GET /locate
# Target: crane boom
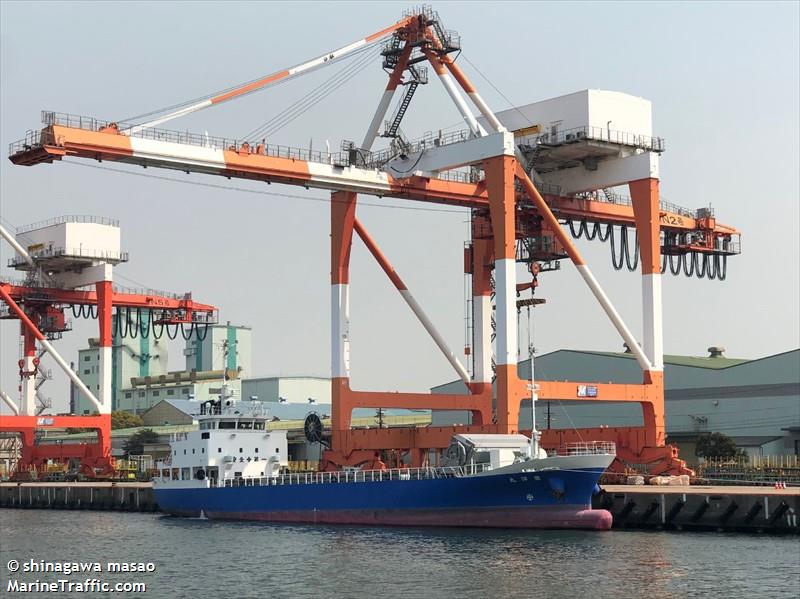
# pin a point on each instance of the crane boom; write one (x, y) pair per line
(83, 137)
(263, 82)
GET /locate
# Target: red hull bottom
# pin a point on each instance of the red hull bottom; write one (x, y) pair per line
(545, 517)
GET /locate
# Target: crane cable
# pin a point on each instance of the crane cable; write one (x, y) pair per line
(293, 196)
(300, 110)
(320, 92)
(132, 120)
(311, 97)
(692, 264)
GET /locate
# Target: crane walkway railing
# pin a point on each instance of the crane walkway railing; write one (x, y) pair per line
(372, 160)
(623, 200)
(69, 218)
(46, 286)
(39, 138)
(590, 133)
(67, 252)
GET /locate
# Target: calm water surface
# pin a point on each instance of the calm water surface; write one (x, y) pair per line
(200, 558)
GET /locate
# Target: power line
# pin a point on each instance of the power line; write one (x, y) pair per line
(485, 78)
(137, 283)
(259, 192)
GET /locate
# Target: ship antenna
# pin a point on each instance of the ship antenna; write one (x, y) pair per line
(224, 390)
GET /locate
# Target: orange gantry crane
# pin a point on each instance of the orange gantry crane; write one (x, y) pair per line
(486, 168)
(41, 308)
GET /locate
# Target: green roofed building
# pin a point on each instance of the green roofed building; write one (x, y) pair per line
(756, 402)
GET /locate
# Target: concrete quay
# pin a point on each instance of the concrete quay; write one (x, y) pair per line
(696, 507)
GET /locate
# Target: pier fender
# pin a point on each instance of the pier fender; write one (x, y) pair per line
(779, 512)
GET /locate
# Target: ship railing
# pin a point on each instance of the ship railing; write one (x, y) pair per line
(588, 448)
(357, 476)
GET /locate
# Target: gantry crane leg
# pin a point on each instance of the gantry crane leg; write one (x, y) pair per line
(480, 264)
(502, 207)
(645, 198)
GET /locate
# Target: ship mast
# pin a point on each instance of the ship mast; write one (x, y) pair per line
(224, 392)
(534, 395)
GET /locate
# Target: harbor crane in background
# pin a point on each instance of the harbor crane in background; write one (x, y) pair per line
(531, 187)
(68, 266)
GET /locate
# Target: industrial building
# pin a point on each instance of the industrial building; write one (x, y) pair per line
(131, 356)
(756, 402)
(145, 392)
(288, 389)
(221, 346)
(139, 365)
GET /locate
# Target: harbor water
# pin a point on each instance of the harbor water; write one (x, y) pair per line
(200, 558)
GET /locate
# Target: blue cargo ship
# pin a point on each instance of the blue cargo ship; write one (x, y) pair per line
(235, 468)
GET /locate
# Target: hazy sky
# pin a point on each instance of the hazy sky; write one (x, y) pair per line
(723, 79)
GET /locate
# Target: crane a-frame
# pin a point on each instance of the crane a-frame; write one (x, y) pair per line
(486, 168)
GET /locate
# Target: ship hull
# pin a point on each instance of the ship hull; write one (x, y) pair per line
(544, 499)
(564, 517)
